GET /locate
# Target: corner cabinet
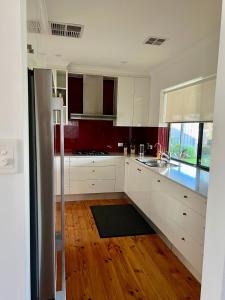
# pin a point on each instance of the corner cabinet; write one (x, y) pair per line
(60, 89)
(133, 98)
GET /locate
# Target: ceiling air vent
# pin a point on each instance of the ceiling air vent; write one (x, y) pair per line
(33, 26)
(155, 41)
(67, 30)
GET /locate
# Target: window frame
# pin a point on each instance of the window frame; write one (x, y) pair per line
(199, 146)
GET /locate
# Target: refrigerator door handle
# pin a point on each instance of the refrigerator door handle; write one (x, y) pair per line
(58, 106)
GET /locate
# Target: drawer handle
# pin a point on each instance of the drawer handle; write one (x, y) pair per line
(92, 184)
(139, 170)
(183, 239)
(185, 196)
(158, 180)
(93, 171)
(184, 214)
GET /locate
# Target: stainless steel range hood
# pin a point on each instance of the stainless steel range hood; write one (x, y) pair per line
(92, 100)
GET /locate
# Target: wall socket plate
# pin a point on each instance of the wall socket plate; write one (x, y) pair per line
(120, 144)
(8, 156)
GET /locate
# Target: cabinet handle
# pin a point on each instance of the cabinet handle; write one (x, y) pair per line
(184, 214)
(92, 184)
(93, 161)
(185, 196)
(158, 180)
(183, 239)
(93, 171)
(139, 170)
(127, 162)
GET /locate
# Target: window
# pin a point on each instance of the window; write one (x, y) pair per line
(191, 143)
(206, 144)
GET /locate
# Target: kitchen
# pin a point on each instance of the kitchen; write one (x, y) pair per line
(134, 127)
(108, 115)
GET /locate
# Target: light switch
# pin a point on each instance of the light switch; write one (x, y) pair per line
(8, 156)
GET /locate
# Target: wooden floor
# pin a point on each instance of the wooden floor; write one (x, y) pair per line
(123, 268)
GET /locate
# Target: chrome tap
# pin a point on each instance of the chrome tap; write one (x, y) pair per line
(164, 156)
(160, 150)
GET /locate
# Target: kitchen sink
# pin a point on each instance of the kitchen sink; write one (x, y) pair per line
(157, 163)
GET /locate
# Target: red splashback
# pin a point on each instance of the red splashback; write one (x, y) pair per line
(102, 135)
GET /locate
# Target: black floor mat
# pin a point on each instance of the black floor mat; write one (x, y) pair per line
(119, 220)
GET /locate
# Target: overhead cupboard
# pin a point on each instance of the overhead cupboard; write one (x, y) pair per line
(133, 98)
(191, 103)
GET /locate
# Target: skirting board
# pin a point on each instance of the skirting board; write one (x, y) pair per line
(168, 243)
(98, 196)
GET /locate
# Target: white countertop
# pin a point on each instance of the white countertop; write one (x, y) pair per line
(188, 176)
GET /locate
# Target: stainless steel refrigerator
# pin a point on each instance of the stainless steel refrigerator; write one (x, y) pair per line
(45, 243)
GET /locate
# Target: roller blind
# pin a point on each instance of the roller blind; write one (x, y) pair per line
(194, 103)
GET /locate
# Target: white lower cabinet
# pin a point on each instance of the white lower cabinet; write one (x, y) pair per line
(178, 212)
(85, 175)
(92, 186)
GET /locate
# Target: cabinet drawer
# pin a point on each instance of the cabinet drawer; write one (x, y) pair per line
(101, 186)
(184, 243)
(92, 186)
(86, 173)
(189, 198)
(189, 220)
(79, 187)
(95, 161)
(181, 240)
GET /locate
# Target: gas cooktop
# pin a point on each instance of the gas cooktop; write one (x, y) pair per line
(91, 153)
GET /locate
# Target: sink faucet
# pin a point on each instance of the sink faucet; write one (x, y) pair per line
(162, 155)
(165, 156)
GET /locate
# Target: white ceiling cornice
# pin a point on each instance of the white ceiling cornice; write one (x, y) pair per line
(105, 71)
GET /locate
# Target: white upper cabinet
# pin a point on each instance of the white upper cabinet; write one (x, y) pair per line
(141, 102)
(190, 104)
(133, 97)
(125, 101)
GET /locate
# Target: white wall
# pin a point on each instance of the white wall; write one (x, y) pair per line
(213, 283)
(14, 189)
(198, 61)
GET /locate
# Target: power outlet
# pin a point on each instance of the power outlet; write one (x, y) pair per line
(120, 145)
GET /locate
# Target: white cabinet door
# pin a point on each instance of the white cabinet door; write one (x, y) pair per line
(141, 102)
(125, 101)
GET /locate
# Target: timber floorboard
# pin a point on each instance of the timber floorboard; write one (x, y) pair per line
(124, 268)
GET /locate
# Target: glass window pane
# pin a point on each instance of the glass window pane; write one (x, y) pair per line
(206, 144)
(183, 144)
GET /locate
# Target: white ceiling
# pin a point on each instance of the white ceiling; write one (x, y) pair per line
(114, 30)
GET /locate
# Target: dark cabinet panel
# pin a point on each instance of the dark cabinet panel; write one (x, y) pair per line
(75, 95)
(108, 96)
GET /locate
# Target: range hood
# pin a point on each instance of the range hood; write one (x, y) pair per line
(92, 100)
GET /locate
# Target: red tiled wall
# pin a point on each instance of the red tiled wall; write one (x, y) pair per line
(102, 135)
